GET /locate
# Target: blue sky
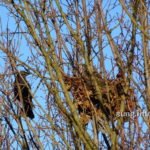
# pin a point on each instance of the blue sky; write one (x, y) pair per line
(23, 48)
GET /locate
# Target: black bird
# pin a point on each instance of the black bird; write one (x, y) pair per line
(22, 93)
(120, 80)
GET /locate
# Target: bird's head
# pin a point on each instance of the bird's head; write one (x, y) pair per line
(24, 73)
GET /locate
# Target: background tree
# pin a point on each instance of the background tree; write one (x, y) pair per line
(88, 62)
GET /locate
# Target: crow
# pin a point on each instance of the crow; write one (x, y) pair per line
(22, 93)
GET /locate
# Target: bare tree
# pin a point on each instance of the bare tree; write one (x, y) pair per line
(89, 74)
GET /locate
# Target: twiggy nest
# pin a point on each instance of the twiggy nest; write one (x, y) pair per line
(112, 91)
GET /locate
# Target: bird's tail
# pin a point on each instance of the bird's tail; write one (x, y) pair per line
(30, 113)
